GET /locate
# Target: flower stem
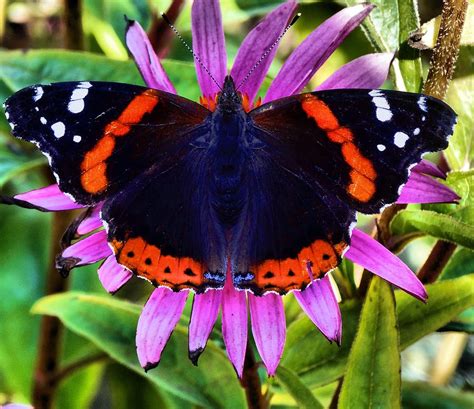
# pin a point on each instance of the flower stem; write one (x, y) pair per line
(51, 330)
(441, 71)
(251, 381)
(73, 23)
(446, 50)
(436, 261)
(81, 363)
(160, 34)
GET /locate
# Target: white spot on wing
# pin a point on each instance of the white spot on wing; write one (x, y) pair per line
(382, 112)
(375, 93)
(77, 138)
(43, 120)
(37, 109)
(7, 115)
(416, 131)
(79, 93)
(381, 147)
(76, 106)
(381, 102)
(38, 94)
(59, 129)
(422, 104)
(400, 139)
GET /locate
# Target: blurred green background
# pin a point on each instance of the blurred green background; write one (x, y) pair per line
(437, 369)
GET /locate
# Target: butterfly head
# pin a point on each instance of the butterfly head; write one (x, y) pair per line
(229, 100)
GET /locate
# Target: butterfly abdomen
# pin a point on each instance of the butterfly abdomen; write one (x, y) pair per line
(228, 154)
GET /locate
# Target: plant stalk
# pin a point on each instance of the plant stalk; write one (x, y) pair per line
(51, 330)
(251, 381)
(50, 336)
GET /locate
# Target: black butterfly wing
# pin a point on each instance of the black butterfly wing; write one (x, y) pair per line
(323, 156)
(135, 149)
(98, 136)
(361, 143)
(163, 228)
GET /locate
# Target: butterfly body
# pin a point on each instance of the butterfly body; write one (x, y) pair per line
(188, 194)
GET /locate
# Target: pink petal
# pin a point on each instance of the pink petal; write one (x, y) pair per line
(429, 168)
(305, 60)
(268, 328)
(49, 198)
(257, 42)
(234, 324)
(91, 222)
(209, 44)
(424, 189)
(371, 255)
(368, 71)
(156, 323)
(112, 275)
(147, 61)
(89, 250)
(320, 305)
(203, 317)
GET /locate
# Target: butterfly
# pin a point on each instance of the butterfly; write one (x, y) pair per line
(269, 195)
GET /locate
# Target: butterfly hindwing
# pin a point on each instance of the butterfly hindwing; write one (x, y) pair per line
(98, 136)
(162, 227)
(323, 156)
(293, 229)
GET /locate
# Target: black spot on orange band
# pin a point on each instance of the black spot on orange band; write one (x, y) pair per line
(282, 276)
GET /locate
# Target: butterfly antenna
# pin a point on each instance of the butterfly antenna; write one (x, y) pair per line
(266, 53)
(167, 20)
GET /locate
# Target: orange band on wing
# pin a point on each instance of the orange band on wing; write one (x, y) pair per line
(147, 261)
(362, 176)
(282, 276)
(94, 167)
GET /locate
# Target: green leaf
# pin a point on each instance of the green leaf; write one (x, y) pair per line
(104, 21)
(420, 395)
(21, 69)
(463, 184)
(446, 300)
(409, 58)
(255, 7)
(387, 28)
(297, 389)
(460, 264)
(323, 363)
(23, 260)
(441, 226)
(460, 152)
(464, 322)
(141, 392)
(111, 325)
(372, 377)
(13, 164)
(78, 390)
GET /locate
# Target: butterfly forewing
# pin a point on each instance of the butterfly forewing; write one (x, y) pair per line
(98, 136)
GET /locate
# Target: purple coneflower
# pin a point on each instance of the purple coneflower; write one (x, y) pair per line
(164, 307)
